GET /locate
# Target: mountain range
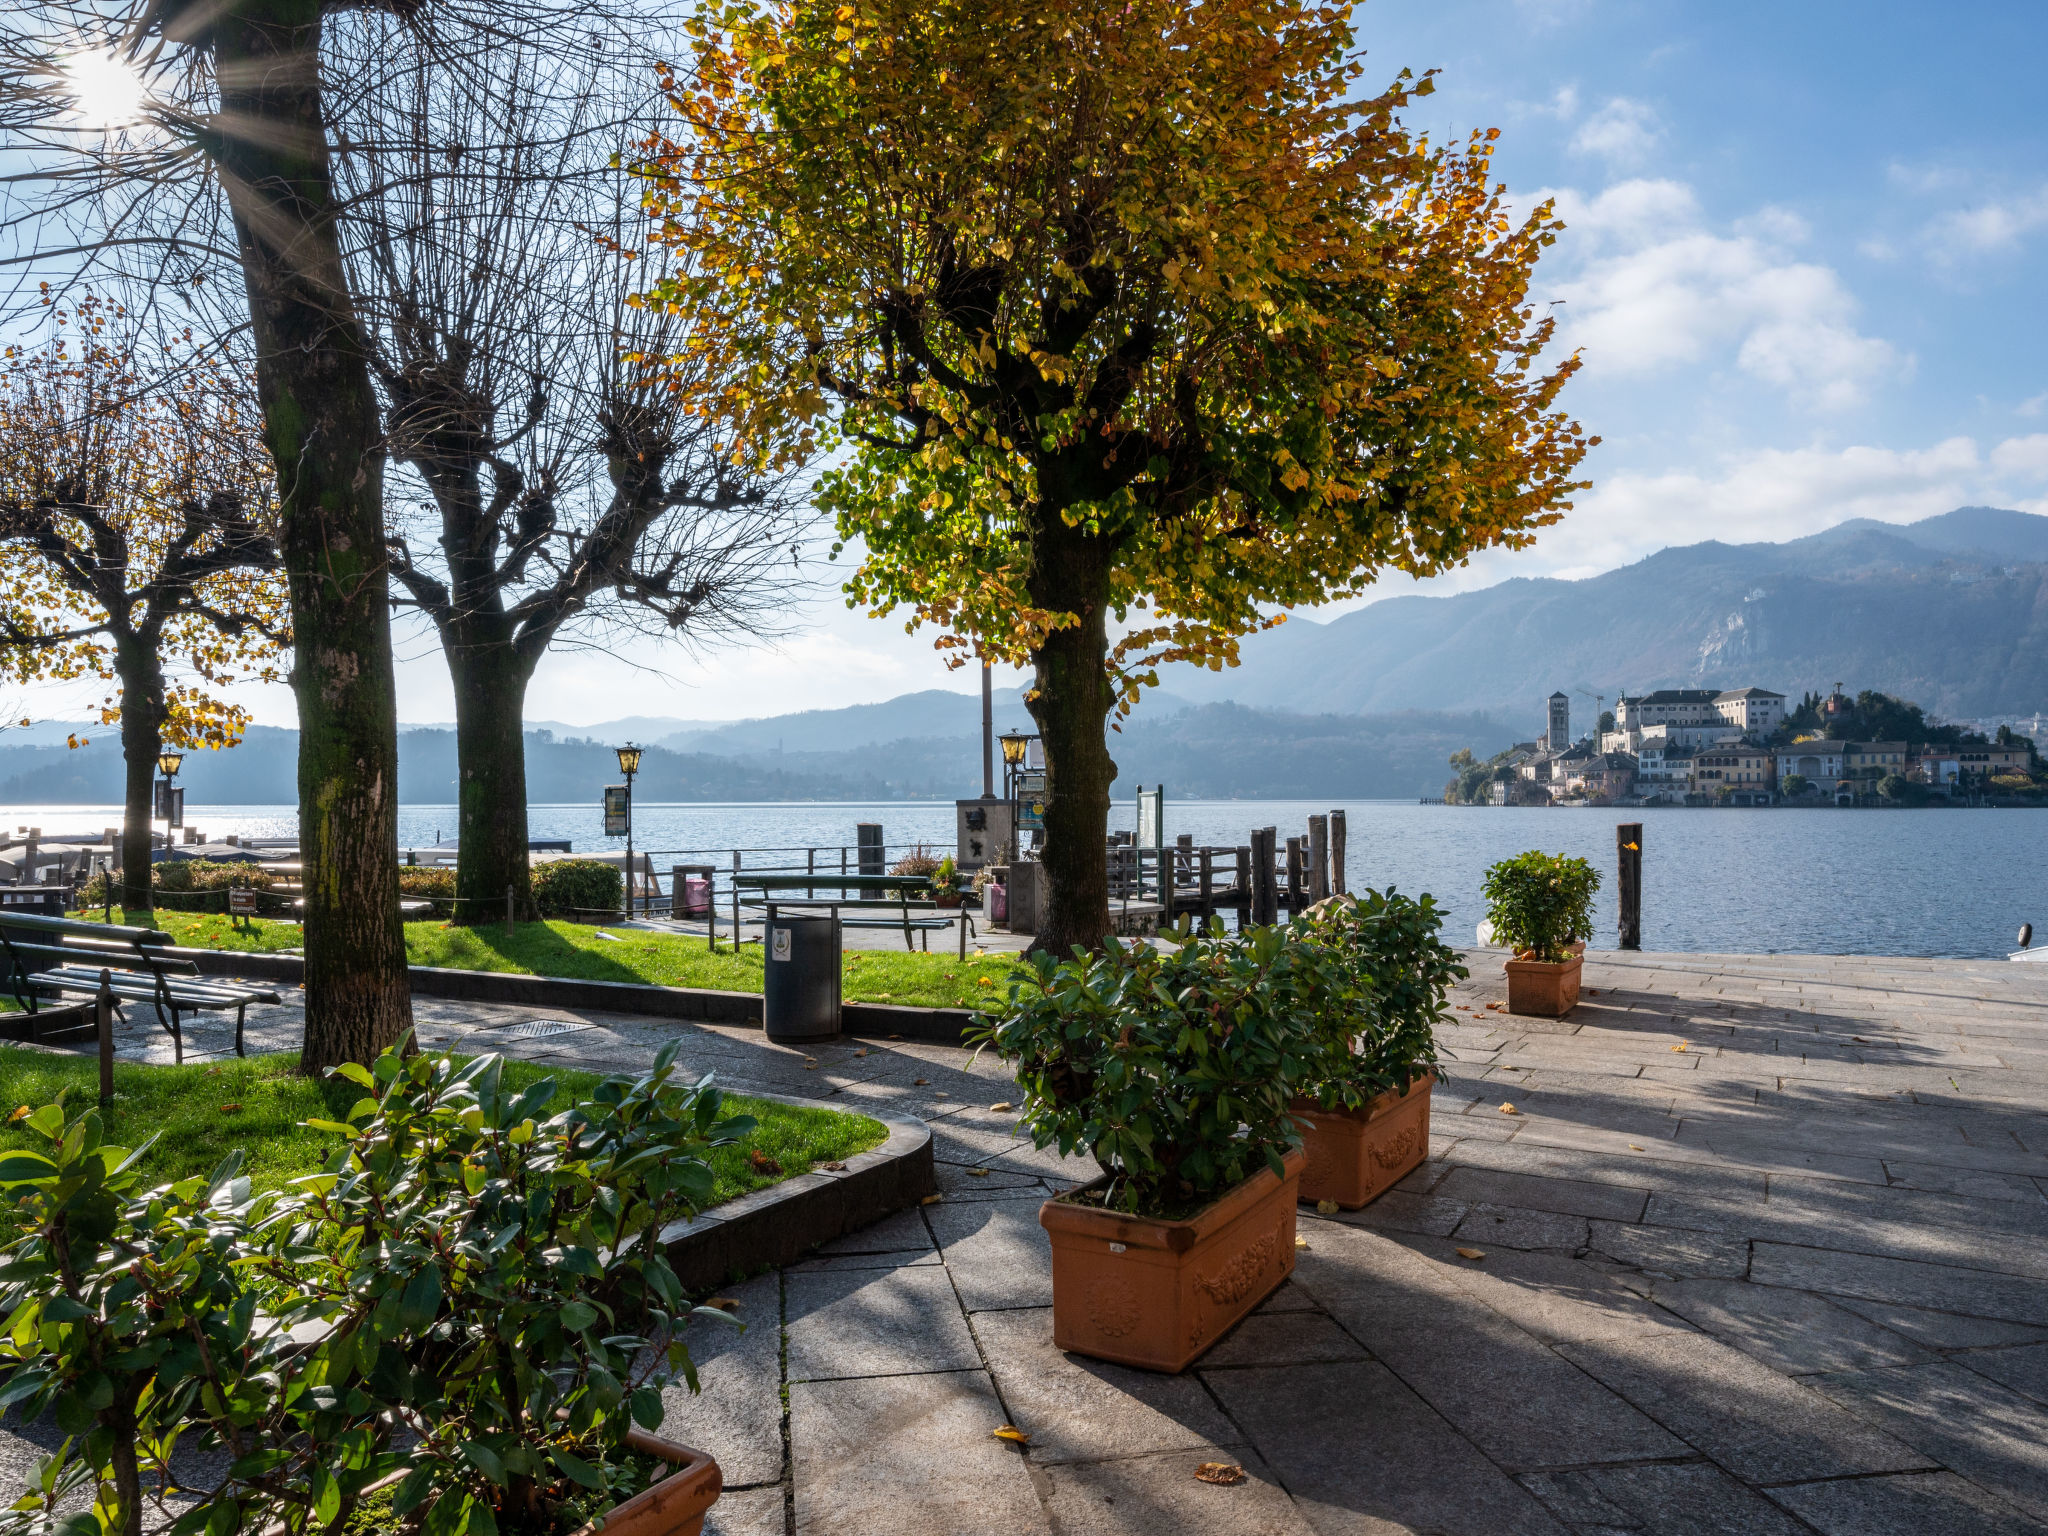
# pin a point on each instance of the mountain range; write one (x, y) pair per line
(1950, 612)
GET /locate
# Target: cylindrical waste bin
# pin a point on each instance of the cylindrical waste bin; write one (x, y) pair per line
(800, 998)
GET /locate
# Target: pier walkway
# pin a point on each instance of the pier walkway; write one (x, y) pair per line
(1761, 1248)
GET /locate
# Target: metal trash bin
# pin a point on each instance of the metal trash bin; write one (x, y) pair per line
(801, 994)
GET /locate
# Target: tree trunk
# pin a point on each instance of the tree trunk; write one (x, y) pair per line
(490, 753)
(142, 739)
(321, 423)
(1070, 700)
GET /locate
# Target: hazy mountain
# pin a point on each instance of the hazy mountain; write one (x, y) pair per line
(1951, 612)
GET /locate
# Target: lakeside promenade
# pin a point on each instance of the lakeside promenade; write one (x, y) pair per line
(1765, 1250)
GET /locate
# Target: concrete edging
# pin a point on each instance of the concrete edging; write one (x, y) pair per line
(701, 1005)
(777, 1225)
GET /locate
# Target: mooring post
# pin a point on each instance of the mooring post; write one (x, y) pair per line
(104, 1017)
(1265, 900)
(1337, 885)
(1244, 886)
(1318, 857)
(1628, 855)
(1294, 902)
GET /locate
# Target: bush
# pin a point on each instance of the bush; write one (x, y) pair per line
(1540, 904)
(467, 1266)
(185, 877)
(1389, 944)
(1174, 1070)
(1903, 790)
(578, 888)
(919, 861)
(427, 880)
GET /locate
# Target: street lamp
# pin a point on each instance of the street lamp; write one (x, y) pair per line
(629, 764)
(168, 763)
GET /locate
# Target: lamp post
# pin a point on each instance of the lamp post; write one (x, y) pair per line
(629, 764)
(168, 763)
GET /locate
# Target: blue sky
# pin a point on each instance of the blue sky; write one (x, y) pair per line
(1805, 250)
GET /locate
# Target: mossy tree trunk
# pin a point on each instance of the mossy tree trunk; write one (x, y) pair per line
(321, 422)
(142, 740)
(490, 751)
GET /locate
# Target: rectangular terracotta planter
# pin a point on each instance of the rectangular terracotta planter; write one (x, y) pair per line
(1157, 1294)
(1543, 989)
(674, 1506)
(1356, 1155)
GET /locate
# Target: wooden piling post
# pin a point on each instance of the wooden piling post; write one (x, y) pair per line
(1318, 857)
(1265, 899)
(1337, 885)
(1244, 886)
(104, 1017)
(1207, 879)
(1628, 856)
(1294, 877)
(1165, 856)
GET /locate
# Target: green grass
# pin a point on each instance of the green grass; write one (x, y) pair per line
(201, 1113)
(574, 950)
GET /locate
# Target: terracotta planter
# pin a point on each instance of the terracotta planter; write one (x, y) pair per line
(1542, 989)
(676, 1505)
(1158, 1293)
(1357, 1155)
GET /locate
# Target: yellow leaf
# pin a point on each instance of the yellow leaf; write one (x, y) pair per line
(1012, 1433)
(1326, 1207)
(1472, 1253)
(931, 1199)
(1225, 1474)
(1509, 1109)
(1680, 1046)
(1001, 1107)
(977, 1173)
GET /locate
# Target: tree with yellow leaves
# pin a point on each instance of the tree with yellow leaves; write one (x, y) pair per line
(137, 503)
(1130, 327)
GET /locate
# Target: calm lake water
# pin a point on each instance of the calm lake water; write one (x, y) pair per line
(1955, 883)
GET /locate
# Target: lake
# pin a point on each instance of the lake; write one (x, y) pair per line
(1818, 881)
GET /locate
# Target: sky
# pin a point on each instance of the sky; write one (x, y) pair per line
(1804, 251)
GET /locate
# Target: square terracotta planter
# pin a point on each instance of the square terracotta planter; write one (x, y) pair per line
(1542, 989)
(1156, 1294)
(1356, 1155)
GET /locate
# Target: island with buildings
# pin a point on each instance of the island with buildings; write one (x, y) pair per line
(1746, 747)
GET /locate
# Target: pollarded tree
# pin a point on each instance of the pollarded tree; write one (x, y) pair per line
(1132, 325)
(137, 517)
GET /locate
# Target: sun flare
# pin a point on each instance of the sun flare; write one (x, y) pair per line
(106, 91)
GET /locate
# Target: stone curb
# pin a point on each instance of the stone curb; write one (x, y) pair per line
(775, 1226)
(703, 1005)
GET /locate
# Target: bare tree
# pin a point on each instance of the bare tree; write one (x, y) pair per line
(561, 498)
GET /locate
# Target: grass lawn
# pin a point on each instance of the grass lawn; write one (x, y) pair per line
(201, 1113)
(625, 954)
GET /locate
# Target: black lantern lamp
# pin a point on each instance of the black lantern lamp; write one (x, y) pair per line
(629, 764)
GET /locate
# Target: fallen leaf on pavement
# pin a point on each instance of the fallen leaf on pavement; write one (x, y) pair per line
(862, 1051)
(1013, 1434)
(931, 1199)
(724, 1303)
(1225, 1474)
(1326, 1207)
(833, 1167)
(1680, 1046)
(977, 1173)
(1633, 1147)
(895, 1037)
(1301, 1242)
(1002, 1108)
(919, 1082)
(1509, 1109)
(1471, 1253)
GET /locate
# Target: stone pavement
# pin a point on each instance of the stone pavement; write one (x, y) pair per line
(1765, 1250)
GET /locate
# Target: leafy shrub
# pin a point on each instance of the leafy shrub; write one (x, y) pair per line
(2013, 783)
(1389, 944)
(427, 880)
(486, 1275)
(1540, 904)
(208, 875)
(919, 861)
(1174, 1070)
(577, 888)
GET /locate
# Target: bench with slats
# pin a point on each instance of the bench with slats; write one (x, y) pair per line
(64, 955)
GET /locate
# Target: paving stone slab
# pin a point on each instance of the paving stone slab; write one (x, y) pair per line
(1533, 1192)
(1517, 1400)
(998, 1254)
(1553, 1297)
(1790, 1331)
(1671, 1251)
(1398, 1212)
(2024, 1369)
(1741, 1414)
(1943, 1330)
(737, 1416)
(1939, 1287)
(1507, 1227)
(1936, 1504)
(907, 1456)
(1660, 1499)
(1363, 1455)
(1282, 1338)
(1987, 1432)
(875, 1323)
(1159, 1494)
(747, 1512)
(898, 1232)
(1078, 1409)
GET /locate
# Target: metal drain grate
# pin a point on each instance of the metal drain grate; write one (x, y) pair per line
(535, 1029)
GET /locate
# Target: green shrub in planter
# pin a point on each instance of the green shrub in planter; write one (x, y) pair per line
(577, 888)
(1173, 1070)
(470, 1268)
(1540, 904)
(427, 880)
(1391, 945)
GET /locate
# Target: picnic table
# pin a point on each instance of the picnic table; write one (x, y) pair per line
(873, 893)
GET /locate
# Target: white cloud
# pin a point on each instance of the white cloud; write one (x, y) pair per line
(1989, 228)
(1623, 133)
(1655, 290)
(2033, 407)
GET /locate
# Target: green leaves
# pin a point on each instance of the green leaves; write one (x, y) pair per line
(1541, 903)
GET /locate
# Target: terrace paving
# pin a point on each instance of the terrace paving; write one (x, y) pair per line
(1766, 1250)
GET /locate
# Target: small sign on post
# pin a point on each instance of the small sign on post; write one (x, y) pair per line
(242, 904)
(618, 811)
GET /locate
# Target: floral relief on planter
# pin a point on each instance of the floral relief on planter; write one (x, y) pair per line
(1357, 1155)
(1156, 1294)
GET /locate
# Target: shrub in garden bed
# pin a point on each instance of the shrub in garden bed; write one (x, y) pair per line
(469, 1306)
(577, 888)
(427, 881)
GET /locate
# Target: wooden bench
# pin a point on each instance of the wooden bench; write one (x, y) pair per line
(130, 962)
(910, 918)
